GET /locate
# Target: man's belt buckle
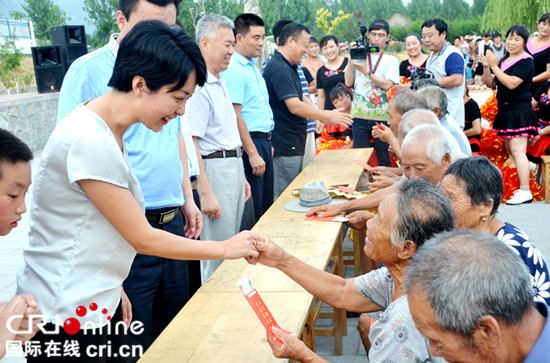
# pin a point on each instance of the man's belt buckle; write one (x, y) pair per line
(269, 135)
(167, 217)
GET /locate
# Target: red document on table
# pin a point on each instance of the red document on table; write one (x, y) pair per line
(364, 165)
(259, 307)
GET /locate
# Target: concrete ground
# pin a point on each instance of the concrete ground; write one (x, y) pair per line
(531, 218)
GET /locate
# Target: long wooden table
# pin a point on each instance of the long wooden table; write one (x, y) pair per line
(217, 324)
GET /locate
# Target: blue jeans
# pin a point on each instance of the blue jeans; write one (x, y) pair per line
(157, 288)
(362, 133)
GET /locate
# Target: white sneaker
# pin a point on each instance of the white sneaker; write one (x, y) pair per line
(520, 196)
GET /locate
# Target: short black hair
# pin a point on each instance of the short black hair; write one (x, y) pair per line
(292, 30)
(278, 26)
(496, 35)
(519, 30)
(312, 39)
(379, 24)
(161, 54)
(340, 90)
(243, 22)
(440, 25)
(482, 180)
(326, 39)
(128, 6)
(12, 149)
(544, 18)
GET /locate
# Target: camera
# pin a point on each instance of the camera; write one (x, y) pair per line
(363, 46)
(422, 77)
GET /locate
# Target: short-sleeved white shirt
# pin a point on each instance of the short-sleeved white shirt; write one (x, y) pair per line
(75, 257)
(212, 117)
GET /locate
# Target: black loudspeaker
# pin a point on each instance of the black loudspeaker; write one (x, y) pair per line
(49, 69)
(72, 40)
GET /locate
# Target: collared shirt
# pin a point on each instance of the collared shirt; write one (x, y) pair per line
(450, 124)
(153, 156)
(212, 117)
(75, 256)
(539, 351)
(282, 81)
(447, 62)
(247, 88)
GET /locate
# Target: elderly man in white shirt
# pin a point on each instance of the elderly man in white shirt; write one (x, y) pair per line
(215, 133)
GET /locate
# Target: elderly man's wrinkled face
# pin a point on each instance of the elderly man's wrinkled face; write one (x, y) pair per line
(467, 215)
(417, 165)
(378, 243)
(443, 343)
(394, 117)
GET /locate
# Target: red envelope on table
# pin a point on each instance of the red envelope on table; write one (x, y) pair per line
(259, 307)
(345, 189)
(381, 127)
(364, 165)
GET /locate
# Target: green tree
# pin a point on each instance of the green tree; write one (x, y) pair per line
(502, 14)
(44, 14)
(192, 10)
(423, 9)
(102, 14)
(454, 9)
(10, 61)
(478, 7)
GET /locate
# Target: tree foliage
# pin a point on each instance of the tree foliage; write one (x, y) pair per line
(502, 14)
(10, 61)
(102, 14)
(337, 26)
(44, 14)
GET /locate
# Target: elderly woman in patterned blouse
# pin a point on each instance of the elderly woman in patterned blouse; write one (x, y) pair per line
(404, 221)
(475, 188)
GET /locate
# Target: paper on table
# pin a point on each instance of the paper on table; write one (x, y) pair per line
(315, 217)
(259, 307)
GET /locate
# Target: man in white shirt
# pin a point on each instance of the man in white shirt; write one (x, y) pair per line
(216, 137)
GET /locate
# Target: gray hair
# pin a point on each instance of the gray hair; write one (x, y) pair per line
(406, 100)
(415, 117)
(209, 25)
(482, 180)
(432, 136)
(436, 98)
(423, 211)
(466, 275)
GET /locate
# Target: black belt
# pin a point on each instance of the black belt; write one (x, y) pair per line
(262, 135)
(235, 153)
(161, 216)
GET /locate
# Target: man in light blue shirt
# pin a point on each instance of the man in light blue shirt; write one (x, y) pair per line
(156, 287)
(251, 103)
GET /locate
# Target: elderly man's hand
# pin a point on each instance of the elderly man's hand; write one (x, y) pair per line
(324, 210)
(293, 348)
(382, 181)
(358, 220)
(385, 135)
(270, 254)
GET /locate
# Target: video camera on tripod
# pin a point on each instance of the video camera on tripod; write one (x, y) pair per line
(363, 47)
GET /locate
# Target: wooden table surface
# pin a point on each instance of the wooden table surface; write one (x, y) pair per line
(217, 324)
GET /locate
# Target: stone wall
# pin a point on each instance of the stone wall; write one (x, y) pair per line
(30, 116)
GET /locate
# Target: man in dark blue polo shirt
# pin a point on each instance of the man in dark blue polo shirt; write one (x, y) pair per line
(289, 109)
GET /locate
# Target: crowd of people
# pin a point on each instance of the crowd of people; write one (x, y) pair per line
(162, 139)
